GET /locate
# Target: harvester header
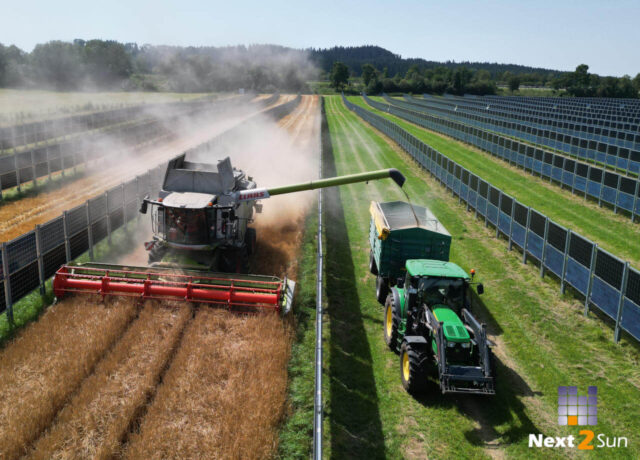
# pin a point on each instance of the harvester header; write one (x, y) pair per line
(202, 244)
(245, 293)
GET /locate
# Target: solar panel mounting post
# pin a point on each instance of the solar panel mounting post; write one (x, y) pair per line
(623, 288)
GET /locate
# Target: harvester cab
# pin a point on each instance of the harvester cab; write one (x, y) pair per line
(200, 219)
(198, 222)
(428, 319)
(202, 242)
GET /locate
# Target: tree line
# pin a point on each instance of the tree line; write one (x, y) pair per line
(463, 80)
(357, 56)
(581, 83)
(107, 64)
(434, 81)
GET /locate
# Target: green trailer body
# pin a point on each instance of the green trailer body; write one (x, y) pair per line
(395, 237)
(427, 302)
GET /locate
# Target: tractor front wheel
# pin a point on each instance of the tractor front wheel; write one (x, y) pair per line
(413, 368)
(382, 289)
(391, 323)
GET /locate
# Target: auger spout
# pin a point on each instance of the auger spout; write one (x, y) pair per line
(262, 193)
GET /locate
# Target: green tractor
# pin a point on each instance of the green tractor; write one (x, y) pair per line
(427, 302)
(427, 319)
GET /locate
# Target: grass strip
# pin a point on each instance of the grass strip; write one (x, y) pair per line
(543, 340)
(615, 233)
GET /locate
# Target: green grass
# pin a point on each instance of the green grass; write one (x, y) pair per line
(530, 92)
(615, 233)
(543, 339)
(296, 434)
(28, 308)
(547, 148)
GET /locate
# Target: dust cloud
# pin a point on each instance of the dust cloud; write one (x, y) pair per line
(276, 154)
(115, 162)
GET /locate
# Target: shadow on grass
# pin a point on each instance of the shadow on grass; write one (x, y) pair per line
(489, 412)
(483, 314)
(505, 409)
(356, 429)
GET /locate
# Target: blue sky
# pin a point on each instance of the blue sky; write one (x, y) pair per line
(557, 34)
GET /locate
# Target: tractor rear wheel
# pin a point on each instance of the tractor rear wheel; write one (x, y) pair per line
(373, 268)
(391, 323)
(382, 289)
(413, 368)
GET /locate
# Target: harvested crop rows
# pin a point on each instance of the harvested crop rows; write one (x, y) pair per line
(20, 216)
(115, 379)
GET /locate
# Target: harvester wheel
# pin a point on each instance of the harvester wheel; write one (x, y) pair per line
(391, 323)
(235, 260)
(242, 260)
(373, 268)
(156, 253)
(250, 240)
(382, 289)
(413, 368)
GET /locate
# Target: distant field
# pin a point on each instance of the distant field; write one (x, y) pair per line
(18, 105)
(530, 92)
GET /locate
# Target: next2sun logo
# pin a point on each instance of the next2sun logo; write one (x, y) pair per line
(577, 410)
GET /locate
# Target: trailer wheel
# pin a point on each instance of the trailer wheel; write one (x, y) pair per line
(373, 268)
(382, 289)
(391, 323)
(413, 368)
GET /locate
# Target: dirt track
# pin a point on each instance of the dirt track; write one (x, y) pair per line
(222, 392)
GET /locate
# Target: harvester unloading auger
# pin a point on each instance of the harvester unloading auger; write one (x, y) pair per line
(202, 242)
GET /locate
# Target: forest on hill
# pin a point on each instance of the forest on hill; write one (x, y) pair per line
(108, 64)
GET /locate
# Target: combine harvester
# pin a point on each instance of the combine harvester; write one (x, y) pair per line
(201, 242)
(427, 314)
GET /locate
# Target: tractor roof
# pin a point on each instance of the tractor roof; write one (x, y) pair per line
(188, 200)
(436, 268)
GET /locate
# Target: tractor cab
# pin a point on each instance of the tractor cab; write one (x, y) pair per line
(438, 282)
